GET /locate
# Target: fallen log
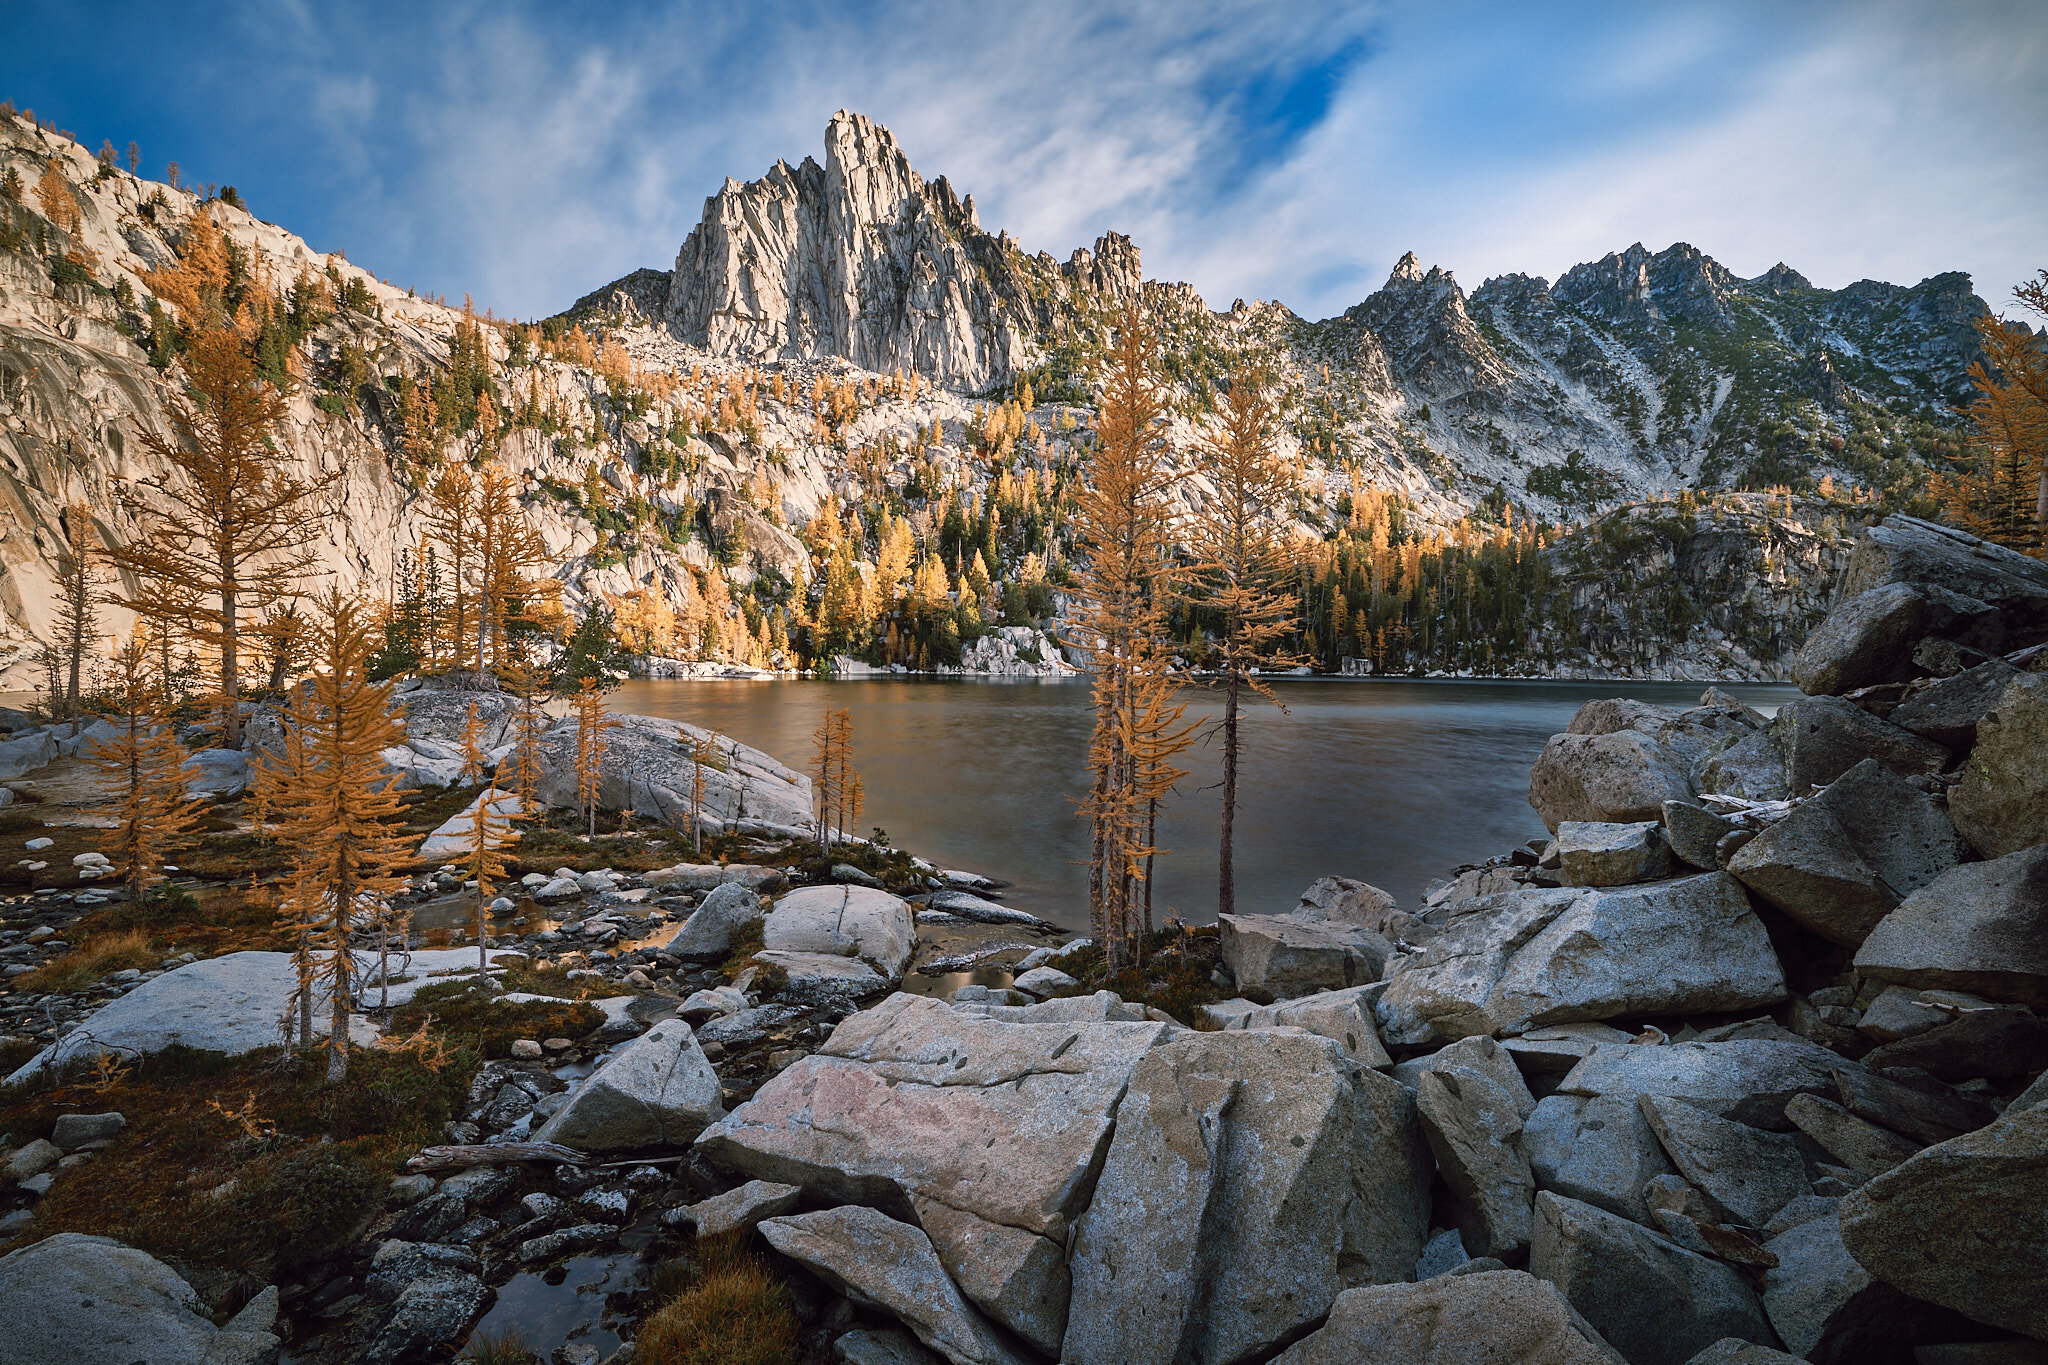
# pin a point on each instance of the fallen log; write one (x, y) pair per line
(492, 1154)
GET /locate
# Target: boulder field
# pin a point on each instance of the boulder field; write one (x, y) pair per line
(1743, 1065)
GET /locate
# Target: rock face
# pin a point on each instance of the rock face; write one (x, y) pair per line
(228, 1004)
(1253, 1177)
(1866, 639)
(1343, 1016)
(1748, 1080)
(1016, 1277)
(2001, 805)
(454, 836)
(707, 935)
(1824, 737)
(1521, 1319)
(1473, 1103)
(1614, 778)
(95, 1301)
(1505, 963)
(1980, 927)
(850, 921)
(656, 1091)
(861, 258)
(1652, 1300)
(1905, 549)
(1960, 1224)
(876, 1260)
(1611, 855)
(915, 1098)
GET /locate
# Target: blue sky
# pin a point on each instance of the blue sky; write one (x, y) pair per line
(527, 152)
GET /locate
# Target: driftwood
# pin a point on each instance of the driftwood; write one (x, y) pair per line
(492, 1154)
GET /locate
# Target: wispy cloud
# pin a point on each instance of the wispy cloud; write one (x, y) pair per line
(527, 153)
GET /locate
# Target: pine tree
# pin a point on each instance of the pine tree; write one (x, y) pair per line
(1239, 573)
(337, 809)
(483, 858)
(524, 681)
(150, 818)
(2001, 491)
(232, 535)
(837, 787)
(1121, 622)
(508, 548)
(53, 196)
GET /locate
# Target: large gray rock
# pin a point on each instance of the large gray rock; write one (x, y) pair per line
(26, 753)
(1905, 549)
(1016, 1277)
(1007, 1121)
(434, 1292)
(1746, 1174)
(218, 773)
(2001, 805)
(817, 980)
(1824, 737)
(1652, 1300)
(1341, 900)
(1254, 1176)
(1617, 777)
(1612, 855)
(1961, 1224)
(743, 1207)
(1863, 1147)
(1277, 957)
(880, 1346)
(1948, 712)
(707, 935)
(1507, 963)
(1472, 1103)
(876, 1260)
(1694, 832)
(656, 1091)
(1735, 1351)
(1869, 638)
(1840, 862)
(648, 767)
(1345, 1016)
(229, 1004)
(94, 1301)
(710, 876)
(851, 921)
(1980, 927)
(1515, 1318)
(1748, 1080)
(1826, 1306)
(1985, 1042)
(1597, 1148)
(1926, 1110)
(1753, 768)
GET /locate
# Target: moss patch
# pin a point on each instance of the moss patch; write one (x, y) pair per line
(1175, 977)
(474, 1016)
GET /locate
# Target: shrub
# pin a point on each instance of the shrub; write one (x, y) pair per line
(469, 1015)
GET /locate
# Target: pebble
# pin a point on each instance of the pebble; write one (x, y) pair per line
(525, 1049)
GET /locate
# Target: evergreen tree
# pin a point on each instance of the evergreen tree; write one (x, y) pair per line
(149, 817)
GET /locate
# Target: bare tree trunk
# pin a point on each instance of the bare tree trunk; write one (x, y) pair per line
(230, 666)
(1226, 867)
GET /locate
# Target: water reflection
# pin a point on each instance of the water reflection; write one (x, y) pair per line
(1393, 782)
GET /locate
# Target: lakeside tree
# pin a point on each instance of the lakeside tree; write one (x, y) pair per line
(142, 768)
(336, 807)
(1239, 576)
(1120, 620)
(228, 532)
(591, 725)
(837, 788)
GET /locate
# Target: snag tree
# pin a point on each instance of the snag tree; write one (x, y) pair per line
(591, 725)
(228, 532)
(78, 584)
(837, 789)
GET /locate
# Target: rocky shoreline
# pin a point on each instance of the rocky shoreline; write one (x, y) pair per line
(1742, 1065)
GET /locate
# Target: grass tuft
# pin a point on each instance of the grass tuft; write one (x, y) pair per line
(732, 1309)
(92, 961)
(499, 1348)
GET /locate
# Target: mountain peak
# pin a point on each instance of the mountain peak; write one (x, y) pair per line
(1407, 270)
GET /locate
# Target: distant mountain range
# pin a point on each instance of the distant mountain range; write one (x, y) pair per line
(1637, 374)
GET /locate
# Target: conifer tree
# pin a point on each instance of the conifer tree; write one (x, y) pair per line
(230, 532)
(508, 549)
(1239, 573)
(1122, 599)
(591, 725)
(78, 583)
(2001, 492)
(53, 196)
(143, 771)
(483, 858)
(524, 681)
(336, 808)
(837, 789)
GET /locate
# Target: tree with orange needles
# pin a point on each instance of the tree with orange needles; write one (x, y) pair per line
(53, 196)
(591, 724)
(508, 550)
(483, 858)
(337, 808)
(524, 681)
(450, 514)
(1240, 574)
(143, 768)
(2001, 493)
(1122, 598)
(839, 793)
(228, 531)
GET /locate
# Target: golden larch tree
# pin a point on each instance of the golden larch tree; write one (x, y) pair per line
(840, 795)
(1239, 575)
(591, 725)
(1125, 586)
(228, 531)
(78, 585)
(339, 811)
(2001, 490)
(142, 770)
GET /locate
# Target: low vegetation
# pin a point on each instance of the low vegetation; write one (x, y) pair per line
(725, 1305)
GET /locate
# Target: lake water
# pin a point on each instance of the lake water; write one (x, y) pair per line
(1392, 782)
